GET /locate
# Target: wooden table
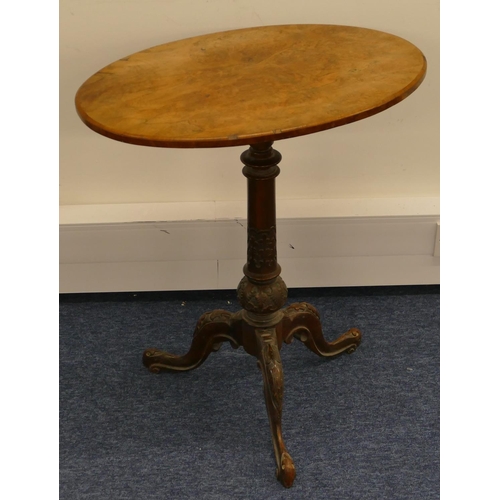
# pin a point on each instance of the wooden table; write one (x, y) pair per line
(252, 87)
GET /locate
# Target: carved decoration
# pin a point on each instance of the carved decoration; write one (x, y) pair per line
(269, 362)
(212, 329)
(262, 325)
(301, 321)
(301, 307)
(273, 372)
(216, 316)
(262, 298)
(262, 248)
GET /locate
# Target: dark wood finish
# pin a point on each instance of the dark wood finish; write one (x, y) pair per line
(250, 85)
(301, 321)
(212, 329)
(263, 324)
(269, 361)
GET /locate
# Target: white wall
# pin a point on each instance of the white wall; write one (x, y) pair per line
(385, 166)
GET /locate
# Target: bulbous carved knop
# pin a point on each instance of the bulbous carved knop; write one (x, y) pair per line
(262, 298)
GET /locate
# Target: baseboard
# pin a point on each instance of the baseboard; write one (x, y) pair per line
(202, 246)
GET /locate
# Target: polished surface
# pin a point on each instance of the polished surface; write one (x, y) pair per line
(250, 85)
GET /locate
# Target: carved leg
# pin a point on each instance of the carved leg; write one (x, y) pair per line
(269, 361)
(302, 322)
(212, 329)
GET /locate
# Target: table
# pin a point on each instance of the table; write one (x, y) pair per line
(252, 87)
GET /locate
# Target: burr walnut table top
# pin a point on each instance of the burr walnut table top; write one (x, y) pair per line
(250, 85)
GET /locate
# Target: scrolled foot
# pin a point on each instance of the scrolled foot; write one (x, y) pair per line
(155, 359)
(212, 329)
(302, 321)
(352, 335)
(285, 471)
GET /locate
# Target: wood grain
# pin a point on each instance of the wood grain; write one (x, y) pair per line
(250, 85)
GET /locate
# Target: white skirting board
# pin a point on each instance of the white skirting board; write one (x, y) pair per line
(202, 245)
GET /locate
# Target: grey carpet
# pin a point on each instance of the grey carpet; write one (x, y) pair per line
(361, 426)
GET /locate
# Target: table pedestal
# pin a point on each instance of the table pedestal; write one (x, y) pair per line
(263, 324)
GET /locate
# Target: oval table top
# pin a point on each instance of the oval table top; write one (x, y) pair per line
(250, 85)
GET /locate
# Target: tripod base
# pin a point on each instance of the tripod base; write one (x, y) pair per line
(261, 336)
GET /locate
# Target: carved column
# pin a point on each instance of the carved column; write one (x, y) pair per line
(262, 292)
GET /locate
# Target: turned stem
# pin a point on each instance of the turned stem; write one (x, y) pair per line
(262, 293)
(261, 169)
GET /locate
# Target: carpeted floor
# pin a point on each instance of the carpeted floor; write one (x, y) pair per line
(361, 426)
